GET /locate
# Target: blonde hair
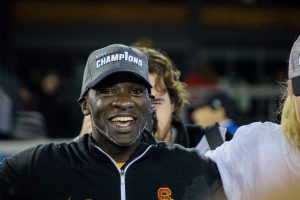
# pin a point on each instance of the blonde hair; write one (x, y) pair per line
(289, 122)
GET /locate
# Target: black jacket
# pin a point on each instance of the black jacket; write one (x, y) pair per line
(81, 170)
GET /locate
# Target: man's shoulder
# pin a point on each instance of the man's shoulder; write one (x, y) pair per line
(64, 149)
(46, 152)
(192, 159)
(181, 158)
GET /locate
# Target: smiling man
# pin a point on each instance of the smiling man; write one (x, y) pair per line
(171, 96)
(120, 159)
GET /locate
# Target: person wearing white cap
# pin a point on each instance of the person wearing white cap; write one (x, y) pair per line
(120, 159)
(265, 157)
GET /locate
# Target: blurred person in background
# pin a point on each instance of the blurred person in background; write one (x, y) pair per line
(6, 115)
(54, 100)
(216, 107)
(263, 158)
(47, 81)
(21, 108)
(170, 97)
(10, 102)
(30, 121)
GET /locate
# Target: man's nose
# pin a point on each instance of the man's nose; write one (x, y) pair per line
(123, 101)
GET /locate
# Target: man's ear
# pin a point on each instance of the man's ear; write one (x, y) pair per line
(85, 109)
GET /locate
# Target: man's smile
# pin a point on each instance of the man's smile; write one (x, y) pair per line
(123, 123)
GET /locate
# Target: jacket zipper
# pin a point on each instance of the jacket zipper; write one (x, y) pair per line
(123, 172)
(123, 192)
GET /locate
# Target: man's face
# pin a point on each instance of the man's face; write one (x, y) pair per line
(163, 106)
(119, 110)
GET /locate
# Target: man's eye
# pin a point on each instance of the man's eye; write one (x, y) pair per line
(105, 92)
(138, 91)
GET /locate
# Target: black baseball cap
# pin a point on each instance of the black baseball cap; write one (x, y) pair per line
(294, 67)
(113, 59)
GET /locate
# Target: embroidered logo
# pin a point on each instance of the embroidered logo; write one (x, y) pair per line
(100, 61)
(164, 193)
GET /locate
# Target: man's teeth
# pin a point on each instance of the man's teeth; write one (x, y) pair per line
(122, 119)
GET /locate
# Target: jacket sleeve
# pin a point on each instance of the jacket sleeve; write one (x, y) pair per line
(15, 176)
(207, 185)
(214, 181)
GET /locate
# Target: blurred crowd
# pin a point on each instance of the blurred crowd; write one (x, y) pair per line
(36, 107)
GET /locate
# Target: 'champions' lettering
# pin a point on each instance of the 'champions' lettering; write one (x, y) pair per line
(118, 57)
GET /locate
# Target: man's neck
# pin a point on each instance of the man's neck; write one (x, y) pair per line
(122, 154)
(117, 152)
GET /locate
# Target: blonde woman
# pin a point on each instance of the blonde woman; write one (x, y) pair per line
(265, 157)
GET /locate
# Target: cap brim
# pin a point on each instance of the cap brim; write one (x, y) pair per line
(133, 73)
(115, 71)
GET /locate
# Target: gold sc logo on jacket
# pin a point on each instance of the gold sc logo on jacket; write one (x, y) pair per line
(164, 193)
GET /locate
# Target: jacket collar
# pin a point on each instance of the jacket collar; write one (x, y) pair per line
(147, 140)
